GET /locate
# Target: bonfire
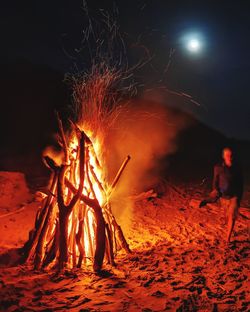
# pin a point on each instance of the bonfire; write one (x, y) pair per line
(75, 226)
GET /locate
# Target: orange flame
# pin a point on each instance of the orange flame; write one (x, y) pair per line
(94, 187)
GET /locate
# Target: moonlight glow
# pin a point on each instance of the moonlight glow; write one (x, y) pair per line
(194, 45)
(192, 42)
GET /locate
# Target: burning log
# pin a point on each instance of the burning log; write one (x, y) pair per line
(29, 246)
(118, 175)
(100, 227)
(75, 225)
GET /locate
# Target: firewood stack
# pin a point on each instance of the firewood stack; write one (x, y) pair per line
(75, 226)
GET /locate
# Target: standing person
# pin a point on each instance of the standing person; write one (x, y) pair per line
(228, 186)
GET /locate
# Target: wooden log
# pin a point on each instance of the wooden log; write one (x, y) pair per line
(121, 237)
(65, 210)
(29, 246)
(87, 226)
(40, 248)
(87, 175)
(97, 180)
(110, 250)
(118, 175)
(64, 142)
(100, 238)
(72, 236)
(50, 256)
(80, 237)
(111, 226)
(63, 221)
(100, 227)
(63, 242)
(117, 228)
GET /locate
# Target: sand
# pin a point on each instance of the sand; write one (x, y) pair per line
(179, 261)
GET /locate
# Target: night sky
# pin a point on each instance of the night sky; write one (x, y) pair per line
(50, 33)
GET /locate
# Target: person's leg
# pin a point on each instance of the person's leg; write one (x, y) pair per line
(224, 206)
(232, 214)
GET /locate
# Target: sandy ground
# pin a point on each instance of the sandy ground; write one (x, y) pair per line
(179, 262)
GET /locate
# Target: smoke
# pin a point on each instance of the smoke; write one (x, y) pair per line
(146, 131)
(54, 153)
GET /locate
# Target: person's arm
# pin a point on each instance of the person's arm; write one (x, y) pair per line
(215, 194)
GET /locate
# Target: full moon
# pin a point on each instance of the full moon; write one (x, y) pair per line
(194, 45)
(192, 42)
